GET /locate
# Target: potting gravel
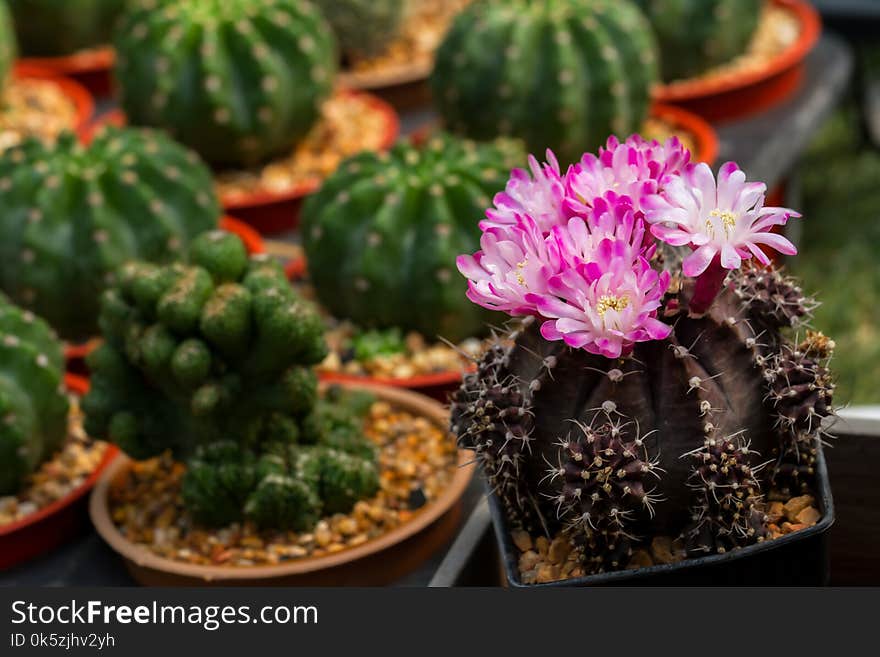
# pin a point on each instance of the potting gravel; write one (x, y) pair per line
(32, 107)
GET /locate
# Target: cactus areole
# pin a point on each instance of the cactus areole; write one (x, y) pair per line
(236, 80)
(661, 379)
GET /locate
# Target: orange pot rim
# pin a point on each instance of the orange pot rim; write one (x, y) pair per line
(261, 197)
(85, 61)
(83, 101)
(78, 385)
(690, 90)
(252, 239)
(705, 136)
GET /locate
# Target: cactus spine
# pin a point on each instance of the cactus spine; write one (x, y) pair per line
(72, 214)
(48, 28)
(696, 35)
(561, 73)
(213, 361)
(33, 403)
(238, 81)
(382, 234)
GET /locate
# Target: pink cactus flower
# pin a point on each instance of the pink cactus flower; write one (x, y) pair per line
(513, 262)
(635, 168)
(724, 222)
(605, 306)
(539, 195)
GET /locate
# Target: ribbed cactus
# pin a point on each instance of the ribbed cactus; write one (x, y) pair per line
(239, 81)
(364, 27)
(556, 73)
(212, 360)
(647, 390)
(382, 234)
(33, 402)
(72, 214)
(696, 35)
(47, 28)
(7, 44)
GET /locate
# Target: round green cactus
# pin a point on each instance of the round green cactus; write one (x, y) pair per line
(364, 27)
(382, 234)
(73, 214)
(48, 28)
(695, 35)
(560, 74)
(33, 403)
(212, 361)
(7, 44)
(239, 81)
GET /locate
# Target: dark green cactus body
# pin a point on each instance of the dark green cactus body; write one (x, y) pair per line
(671, 441)
(73, 214)
(696, 35)
(238, 81)
(382, 234)
(213, 362)
(33, 403)
(561, 74)
(48, 28)
(364, 27)
(7, 45)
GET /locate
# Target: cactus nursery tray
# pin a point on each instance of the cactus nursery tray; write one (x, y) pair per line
(727, 95)
(379, 560)
(92, 68)
(53, 525)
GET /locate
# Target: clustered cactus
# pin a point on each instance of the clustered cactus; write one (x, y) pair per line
(382, 233)
(212, 360)
(558, 73)
(644, 390)
(238, 81)
(72, 214)
(33, 403)
(697, 35)
(364, 27)
(48, 28)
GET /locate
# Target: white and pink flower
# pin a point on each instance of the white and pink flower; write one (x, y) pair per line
(539, 195)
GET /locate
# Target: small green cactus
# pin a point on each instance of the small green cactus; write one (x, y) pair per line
(49, 28)
(364, 27)
(212, 361)
(239, 81)
(696, 35)
(561, 74)
(72, 214)
(8, 46)
(382, 234)
(33, 403)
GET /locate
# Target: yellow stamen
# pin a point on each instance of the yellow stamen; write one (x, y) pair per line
(612, 302)
(728, 219)
(519, 277)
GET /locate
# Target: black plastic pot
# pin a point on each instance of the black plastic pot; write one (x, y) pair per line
(797, 559)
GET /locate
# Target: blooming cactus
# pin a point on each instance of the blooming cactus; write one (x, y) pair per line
(642, 393)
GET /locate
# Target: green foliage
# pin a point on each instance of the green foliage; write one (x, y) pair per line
(239, 81)
(559, 74)
(73, 214)
(213, 363)
(368, 345)
(49, 28)
(697, 35)
(382, 234)
(363, 27)
(8, 46)
(33, 403)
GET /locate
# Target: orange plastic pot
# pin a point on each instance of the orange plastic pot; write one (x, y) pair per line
(82, 100)
(57, 523)
(93, 69)
(272, 212)
(704, 136)
(75, 354)
(730, 96)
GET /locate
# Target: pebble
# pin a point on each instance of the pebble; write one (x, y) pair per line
(661, 550)
(559, 549)
(33, 108)
(809, 516)
(795, 505)
(522, 540)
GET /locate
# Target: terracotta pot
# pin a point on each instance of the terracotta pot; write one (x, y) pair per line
(57, 523)
(379, 561)
(75, 354)
(272, 212)
(82, 100)
(730, 96)
(93, 69)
